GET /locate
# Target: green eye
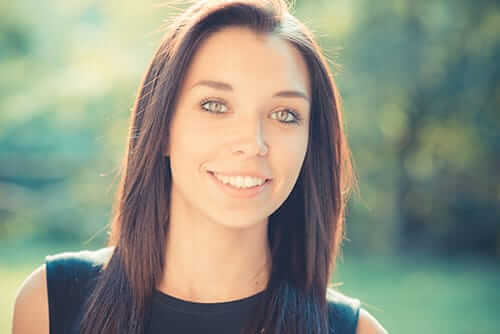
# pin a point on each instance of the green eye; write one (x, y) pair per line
(286, 116)
(215, 107)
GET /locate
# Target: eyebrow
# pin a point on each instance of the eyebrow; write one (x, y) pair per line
(227, 87)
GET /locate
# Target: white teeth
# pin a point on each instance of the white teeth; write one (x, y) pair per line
(240, 181)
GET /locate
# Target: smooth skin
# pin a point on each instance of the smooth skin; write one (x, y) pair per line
(31, 309)
(232, 119)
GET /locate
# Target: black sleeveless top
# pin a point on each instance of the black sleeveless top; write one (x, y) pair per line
(71, 277)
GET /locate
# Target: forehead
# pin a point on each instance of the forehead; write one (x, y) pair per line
(246, 59)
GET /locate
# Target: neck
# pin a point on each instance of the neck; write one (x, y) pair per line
(206, 261)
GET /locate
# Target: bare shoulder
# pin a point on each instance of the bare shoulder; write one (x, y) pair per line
(367, 324)
(31, 307)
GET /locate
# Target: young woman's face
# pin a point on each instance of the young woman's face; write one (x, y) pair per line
(243, 110)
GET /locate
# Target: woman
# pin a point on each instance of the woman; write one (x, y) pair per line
(230, 211)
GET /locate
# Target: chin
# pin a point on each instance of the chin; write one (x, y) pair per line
(241, 224)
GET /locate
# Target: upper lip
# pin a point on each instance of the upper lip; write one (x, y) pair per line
(242, 173)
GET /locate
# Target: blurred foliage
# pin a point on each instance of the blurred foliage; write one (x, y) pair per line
(420, 82)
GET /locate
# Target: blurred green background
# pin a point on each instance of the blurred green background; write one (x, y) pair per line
(420, 82)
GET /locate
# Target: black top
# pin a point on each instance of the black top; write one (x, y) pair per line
(71, 278)
(181, 316)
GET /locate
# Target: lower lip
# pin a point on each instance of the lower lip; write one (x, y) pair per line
(239, 192)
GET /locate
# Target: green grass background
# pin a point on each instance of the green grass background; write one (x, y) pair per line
(407, 295)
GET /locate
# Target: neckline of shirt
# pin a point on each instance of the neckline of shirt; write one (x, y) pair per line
(184, 306)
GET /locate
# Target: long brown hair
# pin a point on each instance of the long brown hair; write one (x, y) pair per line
(305, 233)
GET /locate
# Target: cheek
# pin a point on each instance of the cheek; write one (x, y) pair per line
(289, 154)
(295, 144)
(189, 139)
(299, 160)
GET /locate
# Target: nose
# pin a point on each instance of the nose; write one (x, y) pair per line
(251, 141)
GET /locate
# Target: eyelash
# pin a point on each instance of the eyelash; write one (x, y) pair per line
(297, 118)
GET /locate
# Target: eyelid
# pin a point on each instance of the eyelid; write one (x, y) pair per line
(295, 113)
(214, 99)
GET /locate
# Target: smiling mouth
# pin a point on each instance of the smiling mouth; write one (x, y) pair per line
(236, 187)
(213, 173)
